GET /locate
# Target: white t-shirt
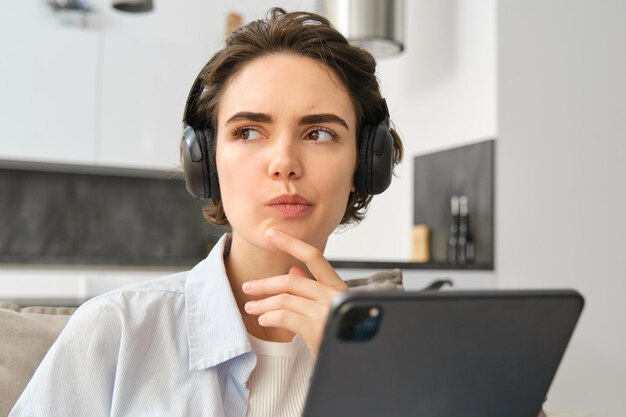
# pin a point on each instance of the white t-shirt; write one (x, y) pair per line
(279, 383)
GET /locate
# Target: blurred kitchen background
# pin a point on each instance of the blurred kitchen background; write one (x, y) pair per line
(514, 110)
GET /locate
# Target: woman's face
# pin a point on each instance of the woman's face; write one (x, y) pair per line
(286, 149)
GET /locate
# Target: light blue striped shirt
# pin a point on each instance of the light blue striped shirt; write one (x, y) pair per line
(175, 346)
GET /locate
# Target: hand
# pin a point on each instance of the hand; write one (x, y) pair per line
(296, 303)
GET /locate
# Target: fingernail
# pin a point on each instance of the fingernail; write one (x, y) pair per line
(272, 234)
(250, 305)
(247, 286)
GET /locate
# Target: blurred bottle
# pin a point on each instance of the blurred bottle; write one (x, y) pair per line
(462, 241)
(453, 234)
(465, 246)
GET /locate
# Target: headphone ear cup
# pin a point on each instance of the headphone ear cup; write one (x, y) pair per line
(375, 168)
(362, 177)
(199, 163)
(211, 181)
(382, 158)
(193, 162)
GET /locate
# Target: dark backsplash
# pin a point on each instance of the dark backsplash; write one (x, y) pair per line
(466, 170)
(67, 218)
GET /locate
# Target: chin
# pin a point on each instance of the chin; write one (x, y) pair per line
(311, 234)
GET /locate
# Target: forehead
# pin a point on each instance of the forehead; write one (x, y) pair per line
(284, 86)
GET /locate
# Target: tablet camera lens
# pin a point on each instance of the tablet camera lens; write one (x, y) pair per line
(360, 323)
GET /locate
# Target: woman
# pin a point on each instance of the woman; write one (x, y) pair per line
(276, 139)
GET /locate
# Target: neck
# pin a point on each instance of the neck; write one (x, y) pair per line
(247, 262)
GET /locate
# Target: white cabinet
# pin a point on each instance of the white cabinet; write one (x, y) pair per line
(111, 94)
(55, 285)
(144, 88)
(149, 62)
(48, 78)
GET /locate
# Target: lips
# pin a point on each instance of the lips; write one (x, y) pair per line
(290, 205)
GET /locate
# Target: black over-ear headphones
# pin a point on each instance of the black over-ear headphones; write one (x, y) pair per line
(375, 144)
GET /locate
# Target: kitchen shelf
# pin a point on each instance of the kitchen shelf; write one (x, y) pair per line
(385, 265)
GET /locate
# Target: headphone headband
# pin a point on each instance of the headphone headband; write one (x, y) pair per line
(190, 105)
(384, 109)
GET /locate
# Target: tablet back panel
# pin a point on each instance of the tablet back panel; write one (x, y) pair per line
(445, 354)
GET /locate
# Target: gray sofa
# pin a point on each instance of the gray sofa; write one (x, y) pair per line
(27, 334)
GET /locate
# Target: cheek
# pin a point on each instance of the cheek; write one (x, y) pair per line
(338, 202)
(241, 177)
(339, 182)
(231, 176)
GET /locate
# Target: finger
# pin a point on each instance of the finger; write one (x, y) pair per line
(291, 284)
(285, 319)
(299, 305)
(295, 323)
(310, 255)
(296, 270)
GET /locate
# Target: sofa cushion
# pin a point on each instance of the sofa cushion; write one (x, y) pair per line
(385, 280)
(26, 334)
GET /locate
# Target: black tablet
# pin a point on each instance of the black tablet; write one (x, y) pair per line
(441, 354)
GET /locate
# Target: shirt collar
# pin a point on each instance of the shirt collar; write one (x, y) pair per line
(215, 329)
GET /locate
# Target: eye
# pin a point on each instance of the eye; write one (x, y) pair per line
(246, 133)
(321, 135)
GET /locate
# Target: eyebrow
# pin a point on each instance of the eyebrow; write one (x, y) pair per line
(305, 120)
(248, 115)
(312, 119)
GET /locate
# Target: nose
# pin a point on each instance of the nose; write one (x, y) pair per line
(285, 158)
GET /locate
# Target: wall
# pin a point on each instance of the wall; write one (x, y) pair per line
(441, 94)
(561, 170)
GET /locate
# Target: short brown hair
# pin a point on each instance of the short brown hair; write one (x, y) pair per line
(306, 34)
